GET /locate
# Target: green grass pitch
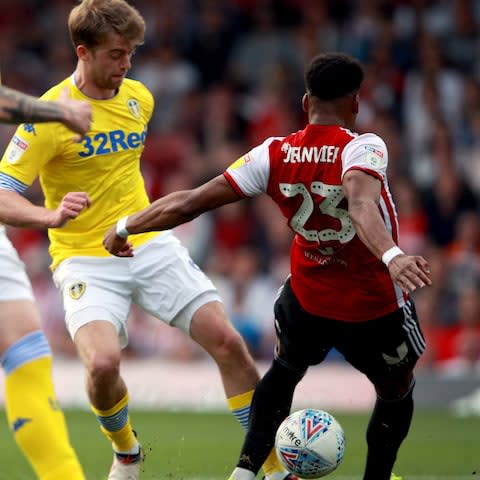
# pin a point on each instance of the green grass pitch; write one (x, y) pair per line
(205, 446)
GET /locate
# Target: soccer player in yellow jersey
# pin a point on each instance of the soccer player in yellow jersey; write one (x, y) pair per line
(99, 289)
(36, 421)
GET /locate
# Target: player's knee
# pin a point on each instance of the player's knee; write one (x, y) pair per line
(396, 387)
(104, 366)
(229, 347)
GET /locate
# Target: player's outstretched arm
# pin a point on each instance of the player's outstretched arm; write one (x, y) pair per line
(362, 191)
(17, 211)
(17, 107)
(168, 212)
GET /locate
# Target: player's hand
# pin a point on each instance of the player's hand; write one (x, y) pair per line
(410, 272)
(72, 204)
(116, 245)
(78, 114)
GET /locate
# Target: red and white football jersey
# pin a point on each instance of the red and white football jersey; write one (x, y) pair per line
(333, 274)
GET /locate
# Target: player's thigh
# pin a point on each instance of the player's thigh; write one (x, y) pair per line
(385, 349)
(212, 330)
(18, 313)
(14, 282)
(95, 289)
(303, 338)
(17, 319)
(169, 285)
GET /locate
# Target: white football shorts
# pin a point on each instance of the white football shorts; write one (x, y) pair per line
(14, 283)
(161, 278)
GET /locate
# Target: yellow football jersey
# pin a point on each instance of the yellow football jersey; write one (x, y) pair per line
(105, 164)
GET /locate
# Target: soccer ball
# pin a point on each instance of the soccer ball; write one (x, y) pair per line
(310, 443)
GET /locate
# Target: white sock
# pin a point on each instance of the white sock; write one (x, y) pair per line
(242, 474)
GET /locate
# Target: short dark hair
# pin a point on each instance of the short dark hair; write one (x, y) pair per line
(333, 75)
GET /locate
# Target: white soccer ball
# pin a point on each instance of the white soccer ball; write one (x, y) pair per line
(310, 443)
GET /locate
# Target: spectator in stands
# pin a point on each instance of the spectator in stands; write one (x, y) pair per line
(459, 344)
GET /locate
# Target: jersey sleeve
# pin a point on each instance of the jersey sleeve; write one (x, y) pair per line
(249, 175)
(31, 147)
(368, 153)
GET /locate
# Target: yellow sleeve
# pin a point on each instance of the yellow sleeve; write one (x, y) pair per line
(31, 147)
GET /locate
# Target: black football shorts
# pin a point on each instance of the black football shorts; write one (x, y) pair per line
(379, 347)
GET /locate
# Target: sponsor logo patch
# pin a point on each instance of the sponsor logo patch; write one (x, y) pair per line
(16, 148)
(374, 150)
(374, 157)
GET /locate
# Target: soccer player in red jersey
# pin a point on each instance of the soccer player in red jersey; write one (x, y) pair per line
(349, 284)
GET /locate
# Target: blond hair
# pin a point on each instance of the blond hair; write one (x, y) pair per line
(92, 20)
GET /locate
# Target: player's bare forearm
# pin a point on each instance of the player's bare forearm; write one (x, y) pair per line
(370, 226)
(363, 194)
(17, 107)
(17, 211)
(183, 206)
(165, 213)
(409, 272)
(169, 212)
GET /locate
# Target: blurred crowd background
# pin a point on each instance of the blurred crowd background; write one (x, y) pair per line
(226, 74)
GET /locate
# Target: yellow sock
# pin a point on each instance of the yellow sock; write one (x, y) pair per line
(115, 424)
(272, 465)
(38, 423)
(239, 405)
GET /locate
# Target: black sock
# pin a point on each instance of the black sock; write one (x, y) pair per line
(270, 405)
(388, 427)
